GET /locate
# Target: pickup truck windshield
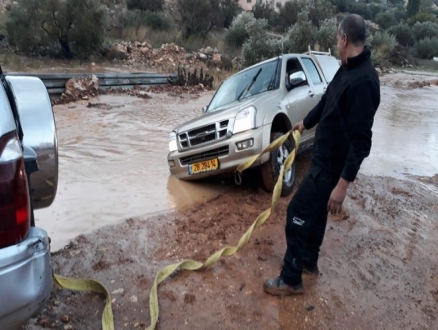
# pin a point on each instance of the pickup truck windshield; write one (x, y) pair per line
(234, 87)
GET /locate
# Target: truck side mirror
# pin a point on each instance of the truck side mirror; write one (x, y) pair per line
(297, 78)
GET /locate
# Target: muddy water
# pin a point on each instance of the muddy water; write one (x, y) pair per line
(113, 165)
(112, 153)
(405, 131)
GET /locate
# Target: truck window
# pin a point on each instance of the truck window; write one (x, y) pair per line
(313, 72)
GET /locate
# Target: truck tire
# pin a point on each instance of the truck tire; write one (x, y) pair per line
(271, 169)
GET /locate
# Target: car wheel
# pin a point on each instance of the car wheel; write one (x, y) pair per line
(271, 169)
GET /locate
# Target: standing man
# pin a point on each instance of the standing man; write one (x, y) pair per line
(345, 116)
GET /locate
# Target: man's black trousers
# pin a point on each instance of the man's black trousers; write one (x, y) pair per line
(306, 222)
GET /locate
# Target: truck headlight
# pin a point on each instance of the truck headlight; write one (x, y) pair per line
(245, 120)
(172, 142)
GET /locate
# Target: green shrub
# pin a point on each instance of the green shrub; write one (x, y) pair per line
(426, 48)
(156, 21)
(145, 5)
(403, 34)
(237, 33)
(382, 45)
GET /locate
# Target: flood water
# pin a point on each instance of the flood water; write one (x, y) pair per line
(113, 165)
(405, 133)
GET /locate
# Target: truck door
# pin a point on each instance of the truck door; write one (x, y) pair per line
(317, 82)
(301, 99)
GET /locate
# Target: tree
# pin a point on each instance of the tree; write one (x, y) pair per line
(75, 26)
(288, 14)
(301, 35)
(326, 36)
(386, 19)
(259, 46)
(145, 5)
(199, 17)
(230, 9)
(237, 34)
(425, 30)
(403, 34)
(413, 7)
(265, 11)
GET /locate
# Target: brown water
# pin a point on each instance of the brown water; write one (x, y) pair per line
(405, 131)
(113, 163)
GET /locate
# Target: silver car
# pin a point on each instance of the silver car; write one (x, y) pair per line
(28, 180)
(248, 111)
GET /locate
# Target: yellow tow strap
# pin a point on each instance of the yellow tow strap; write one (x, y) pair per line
(92, 285)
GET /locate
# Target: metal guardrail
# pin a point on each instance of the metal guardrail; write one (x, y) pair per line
(55, 83)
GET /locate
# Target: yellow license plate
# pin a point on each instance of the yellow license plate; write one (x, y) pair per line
(205, 166)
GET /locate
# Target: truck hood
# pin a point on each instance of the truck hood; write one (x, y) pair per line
(226, 112)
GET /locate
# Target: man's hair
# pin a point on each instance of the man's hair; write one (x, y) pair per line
(353, 26)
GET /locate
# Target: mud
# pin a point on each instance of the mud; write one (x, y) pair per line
(378, 260)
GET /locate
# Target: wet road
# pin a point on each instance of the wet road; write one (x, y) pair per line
(113, 156)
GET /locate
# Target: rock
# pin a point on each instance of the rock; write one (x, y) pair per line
(216, 50)
(118, 52)
(379, 71)
(209, 50)
(217, 59)
(82, 86)
(65, 318)
(202, 56)
(144, 50)
(118, 291)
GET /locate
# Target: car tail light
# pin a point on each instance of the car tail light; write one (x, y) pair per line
(14, 192)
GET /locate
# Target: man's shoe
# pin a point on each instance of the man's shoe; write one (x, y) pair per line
(277, 287)
(311, 270)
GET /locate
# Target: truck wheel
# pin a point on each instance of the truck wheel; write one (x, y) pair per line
(271, 169)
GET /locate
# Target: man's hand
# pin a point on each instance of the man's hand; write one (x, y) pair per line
(337, 197)
(300, 127)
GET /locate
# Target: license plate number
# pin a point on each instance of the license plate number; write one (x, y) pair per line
(204, 166)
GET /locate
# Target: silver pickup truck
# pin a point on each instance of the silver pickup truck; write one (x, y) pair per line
(28, 181)
(248, 111)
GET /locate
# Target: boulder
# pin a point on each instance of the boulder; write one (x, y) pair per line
(217, 59)
(79, 87)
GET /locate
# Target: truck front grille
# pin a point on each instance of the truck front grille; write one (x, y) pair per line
(214, 153)
(203, 134)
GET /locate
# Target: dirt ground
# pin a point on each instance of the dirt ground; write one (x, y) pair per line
(378, 263)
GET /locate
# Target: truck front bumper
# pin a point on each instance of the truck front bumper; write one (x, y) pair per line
(227, 152)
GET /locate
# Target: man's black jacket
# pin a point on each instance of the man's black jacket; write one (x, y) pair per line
(345, 117)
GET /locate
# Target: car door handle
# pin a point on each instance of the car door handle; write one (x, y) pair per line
(311, 94)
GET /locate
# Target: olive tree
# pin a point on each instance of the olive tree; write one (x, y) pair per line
(199, 17)
(75, 27)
